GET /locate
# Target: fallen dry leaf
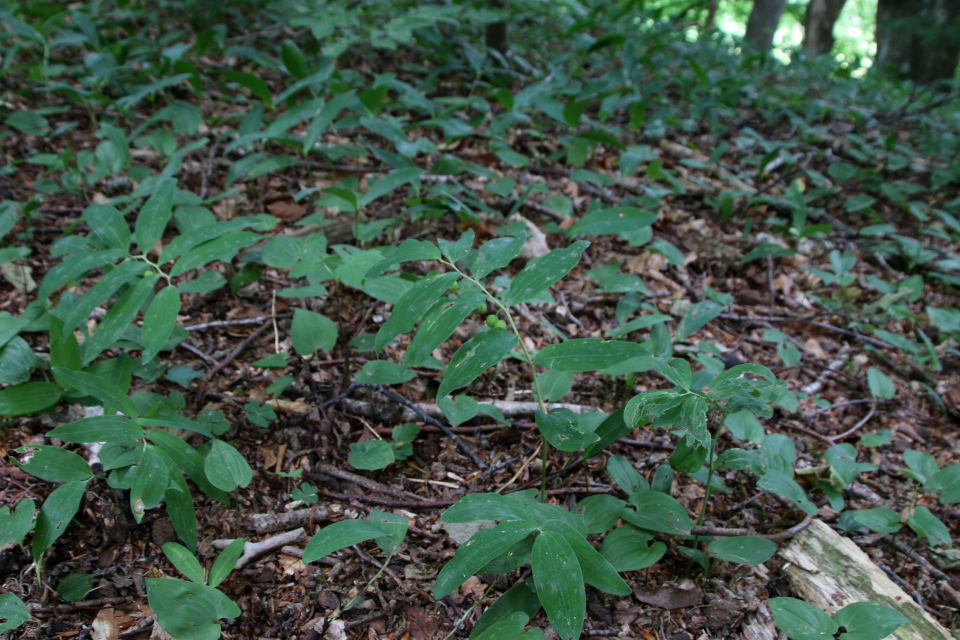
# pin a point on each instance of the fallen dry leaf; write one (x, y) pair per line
(286, 210)
(670, 597)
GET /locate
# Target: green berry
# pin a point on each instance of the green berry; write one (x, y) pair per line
(492, 320)
(501, 324)
(481, 309)
(455, 287)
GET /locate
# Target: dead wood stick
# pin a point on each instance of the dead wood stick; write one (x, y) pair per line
(226, 323)
(253, 550)
(396, 504)
(460, 442)
(98, 603)
(852, 430)
(240, 347)
(786, 534)
(366, 483)
(822, 325)
(270, 522)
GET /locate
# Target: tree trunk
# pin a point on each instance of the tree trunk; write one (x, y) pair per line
(496, 35)
(711, 24)
(762, 25)
(818, 24)
(918, 40)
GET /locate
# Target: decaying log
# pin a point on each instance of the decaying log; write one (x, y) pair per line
(831, 571)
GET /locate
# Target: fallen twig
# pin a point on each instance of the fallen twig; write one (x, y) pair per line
(270, 522)
(786, 534)
(366, 483)
(240, 347)
(852, 430)
(253, 550)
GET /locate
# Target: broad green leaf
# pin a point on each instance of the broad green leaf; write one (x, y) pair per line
(251, 81)
(880, 385)
(282, 252)
(741, 460)
(785, 486)
(473, 555)
(880, 519)
(868, 621)
(609, 431)
(340, 535)
(508, 627)
(924, 522)
(698, 317)
(311, 331)
(689, 456)
(587, 354)
(457, 251)
(541, 273)
(748, 550)
(947, 320)
(554, 384)
(600, 512)
(559, 581)
(474, 357)
(371, 455)
(149, 482)
(412, 305)
(55, 514)
(394, 524)
(496, 254)
(180, 505)
(484, 506)
(439, 324)
(14, 526)
(625, 476)
(802, 621)
(17, 362)
(154, 215)
(458, 410)
(409, 251)
(628, 548)
(26, 121)
(561, 429)
(189, 611)
(658, 512)
(293, 59)
(159, 321)
(612, 220)
(378, 372)
(187, 458)
(108, 225)
(103, 290)
(75, 586)
(100, 388)
(185, 562)
(53, 463)
(225, 562)
(843, 459)
(119, 317)
(226, 467)
(520, 599)
(222, 248)
(74, 267)
(596, 570)
(13, 612)
(188, 241)
(389, 183)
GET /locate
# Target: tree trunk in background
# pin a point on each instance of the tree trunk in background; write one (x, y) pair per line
(918, 40)
(818, 24)
(764, 20)
(496, 35)
(711, 15)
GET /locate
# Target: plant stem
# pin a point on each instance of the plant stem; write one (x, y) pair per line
(467, 613)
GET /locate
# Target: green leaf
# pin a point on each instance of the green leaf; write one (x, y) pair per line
(880, 519)
(13, 612)
(412, 305)
(484, 506)
(75, 267)
(409, 251)
(457, 251)
(474, 357)
(785, 486)
(389, 183)
(226, 467)
(587, 354)
(609, 431)
(596, 570)
(748, 550)
(741, 460)
(689, 456)
(625, 476)
(473, 555)
(395, 526)
(868, 621)
(378, 372)
(745, 426)
(541, 273)
(150, 480)
(53, 463)
(154, 215)
(187, 458)
(311, 331)
(103, 290)
(14, 526)
(612, 220)
(507, 617)
(769, 249)
(698, 317)
(293, 59)
(600, 512)
(159, 321)
(100, 388)
(925, 523)
(340, 535)
(371, 455)
(55, 514)
(658, 512)
(257, 86)
(559, 581)
(458, 410)
(28, 122)
(554, 384)
(628, 548)
(496, 254)
(560, 428)
(947, 320)
(185, 562)
(439, 324)
(189, 611)
(119, 317)
(108, 225)
(226, 561)
(880, 385)
(802, 621)
(222, 248)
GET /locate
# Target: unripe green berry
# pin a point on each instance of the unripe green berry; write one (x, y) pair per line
(455, 287)
(501, 324)
(482, 308)
(492, 320)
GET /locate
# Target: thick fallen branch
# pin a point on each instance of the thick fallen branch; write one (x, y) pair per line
(253, 550)
(270, 522)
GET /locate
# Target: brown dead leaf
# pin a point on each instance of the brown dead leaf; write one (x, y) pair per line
(473, 587)
(269, 457)
(291, 565)
(286, 210)
(423, 626)
(104, 626)
(670, 597)
(813, 346)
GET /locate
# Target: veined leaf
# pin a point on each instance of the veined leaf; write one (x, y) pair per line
(340, 535)
(559, 580)
(541, 273)
(439, 324)
(473, 555)
(100, 388)
(120, 315)
(154, 215)
(474, 357)
(159, 321)
(587, 354)
(412, 305)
